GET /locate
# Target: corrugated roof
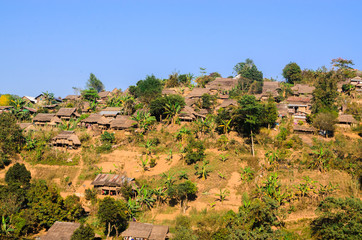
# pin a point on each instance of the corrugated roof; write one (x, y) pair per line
(111, 180)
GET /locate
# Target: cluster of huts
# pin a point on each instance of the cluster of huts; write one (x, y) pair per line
(135, 230)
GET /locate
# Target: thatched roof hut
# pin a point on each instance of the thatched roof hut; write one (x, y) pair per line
(5, 108)
(168, 91)
(66, 139)
(222, 84)
(346, 119)
(198, 92)
(61, 231)
(67, 113)
(282, 109)
(293, 100)
(71, 98)
(146, 231)
(271, 88)
(122, 122)
(304, 129)
(110, 112)
(302, 89)
(46, 118)
(104, 94)
(227, 103)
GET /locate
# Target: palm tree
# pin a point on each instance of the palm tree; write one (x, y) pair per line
(48, 97)
(145, 197)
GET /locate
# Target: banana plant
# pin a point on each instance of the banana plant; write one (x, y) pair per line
(202, 171)
(223, 195)
(5, 228)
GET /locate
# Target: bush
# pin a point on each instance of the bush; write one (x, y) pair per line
(104, 148)
(158, 106)
(83, 233)
(195, 152)
(108, 137)
(339, 219)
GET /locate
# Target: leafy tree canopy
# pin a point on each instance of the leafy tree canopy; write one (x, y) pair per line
(339, 219)
(18, 175)
(84, 232)
(147, 89)
(292, 73)
(160, 105)
(95, 83)
(90, 95)
(325, 93)
(11, 137)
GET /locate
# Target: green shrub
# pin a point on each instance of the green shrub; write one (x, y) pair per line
(195, 152)
(108, 137)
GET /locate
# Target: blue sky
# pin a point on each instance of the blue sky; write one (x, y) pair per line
(55, 45)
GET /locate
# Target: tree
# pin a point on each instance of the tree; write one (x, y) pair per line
(249, 74)
(344, 67)
(148, 89)
(165, 106)
(338, 219)
(325, 93)
(195, 151)
(270, 113)
(5, 100)
(208, 101)
(11, 137)
(113, 214)
(95, 83)
(183, 192)
(292, 73)
(90, 95)
(84, 232)
(325, 121)
(18, 175)
(247, 117)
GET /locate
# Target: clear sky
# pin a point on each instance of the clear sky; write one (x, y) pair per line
(50, 45)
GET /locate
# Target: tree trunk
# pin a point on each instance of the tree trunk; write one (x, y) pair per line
(252, 142)
(109, 230)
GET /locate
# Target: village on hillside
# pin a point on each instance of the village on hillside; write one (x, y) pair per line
(187, 157)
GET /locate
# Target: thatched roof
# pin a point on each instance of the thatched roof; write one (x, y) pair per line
(67, 135)
(122, 122)
(356, 79)
(168, 91)
(187, 113)
(66, 112)
(111, 180)
(72, 97)
(104, 94)
(299, 100)
(222, 84)
(198, 92)
(44, 117)
(304, 89)
(303, 128)
(346, 118)
(146, 230)
(61, 231)
(270, 88)
(24, 125)
(30, 109)
(93, 118)
(227, 103)
(282, 109)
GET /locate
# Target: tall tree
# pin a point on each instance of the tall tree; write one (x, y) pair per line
(292, 73)
(113, 214)
(11, 137)
(325, 93)
(249, 74)
(95, 83)
(18, 175)
(247, 117)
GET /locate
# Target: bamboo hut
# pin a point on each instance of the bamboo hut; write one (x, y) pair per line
(61, 231)
(122, 122)
(66, 139)
(42, 119)
(110, 184)
(145, 231)
(67, 113)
